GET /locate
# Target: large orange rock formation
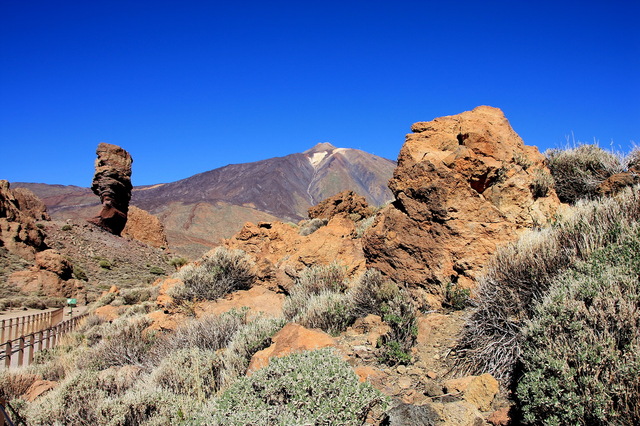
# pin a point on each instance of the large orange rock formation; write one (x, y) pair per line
(465, 185)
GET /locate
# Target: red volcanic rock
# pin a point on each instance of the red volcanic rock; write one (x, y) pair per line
(346, 203)
(281, 252)
(18, 231)
(143, 226)
(30, 204)
(464, 185)
(112, 183)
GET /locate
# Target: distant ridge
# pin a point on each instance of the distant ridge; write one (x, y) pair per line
(200, 210)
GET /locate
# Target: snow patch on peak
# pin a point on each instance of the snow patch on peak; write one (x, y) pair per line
(317, 157)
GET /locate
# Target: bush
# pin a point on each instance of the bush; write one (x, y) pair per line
(311, 282)
(66, 227)
(208, 333)
(146, 406)
(219, 273)
(125, 343)
(579, 171)
(192, 372)
(581, 356)
(311, 226)
(104, 264)
(80, 274)
(371, 293)
(178, 262)
(521, 273)
(328, 311)
(363, 225)
(15, 384)
(308, 388)
(542, 183)
(248, 340)
(156, 270)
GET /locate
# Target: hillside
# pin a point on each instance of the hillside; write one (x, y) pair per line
(197, 212)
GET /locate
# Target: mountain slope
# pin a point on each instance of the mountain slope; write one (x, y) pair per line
(197, 212)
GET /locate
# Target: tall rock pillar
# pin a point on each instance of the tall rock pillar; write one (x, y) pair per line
(112, 183)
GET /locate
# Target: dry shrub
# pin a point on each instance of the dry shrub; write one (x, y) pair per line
(581, 356)
(192, 372)
(312, 282)
(15, 384)
(311, 226)
(329, 311)
(521, 273)
(217, 274)
(579, 171)
(126, 342)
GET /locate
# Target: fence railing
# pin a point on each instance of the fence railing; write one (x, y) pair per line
(25, 346)
(14, 328)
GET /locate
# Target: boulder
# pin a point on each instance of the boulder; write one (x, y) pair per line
(292, 338)
(476, 390)
(52, 261)
(346, 203)
(37, 388)
(615, 183)
(281, 253)
(145, 227)
(112, 183)
(46, 283)
(465, 185)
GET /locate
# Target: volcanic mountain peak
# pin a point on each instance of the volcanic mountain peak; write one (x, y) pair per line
(321, 147)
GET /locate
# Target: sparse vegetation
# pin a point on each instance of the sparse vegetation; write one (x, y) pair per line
(178, 262)
(523, 273)
(217, 274)
(308, 388)
(104, 264)
(455, 297)
(542, 183)
(581, 356)
(66, 227)
(311, 226)
(578, 171)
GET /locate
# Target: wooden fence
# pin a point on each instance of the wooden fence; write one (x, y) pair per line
(29, 344)
(14, 328)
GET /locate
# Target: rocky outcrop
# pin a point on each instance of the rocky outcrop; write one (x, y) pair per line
(112, 183)
(145, 227)
(18, 231)
(616, 183)
(345, 203)
(465, 185)
(281, 252)
(30, 204)
(50, 276)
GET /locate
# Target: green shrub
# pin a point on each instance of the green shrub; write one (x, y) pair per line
(79, 273)
(311, 226)
(578, 171)
(400, 314)
(308, 388)
(218, 273)
(105, 299)
(178, 262)
(521, 273)
(132, 296)
(72, 402)
(455, 297)
(104, 264)
(145, 405)
(248, 340)
(156, 270)
(66, 227)
(581, 356)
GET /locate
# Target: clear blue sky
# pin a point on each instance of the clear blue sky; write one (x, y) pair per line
(189, 86)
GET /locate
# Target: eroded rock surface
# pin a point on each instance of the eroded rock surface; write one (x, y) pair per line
(345, 203)
(465, 185)
(18, 231)
(112, 183)
(145, 227)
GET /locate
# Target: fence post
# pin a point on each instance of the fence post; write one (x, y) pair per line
(21, 351)
(2, 339)
(7, 351)
(32, 347)
(40, 336)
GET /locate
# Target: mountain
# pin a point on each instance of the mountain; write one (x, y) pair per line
(200, 210)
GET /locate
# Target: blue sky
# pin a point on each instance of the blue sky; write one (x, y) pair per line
(189, 86)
